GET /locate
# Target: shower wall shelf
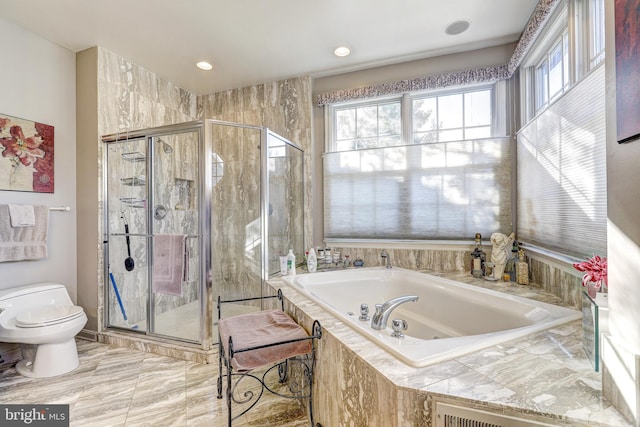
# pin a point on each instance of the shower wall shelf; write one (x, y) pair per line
(134, 156)
(134, 181)
(133, 202)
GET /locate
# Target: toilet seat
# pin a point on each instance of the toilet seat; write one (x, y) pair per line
(46, 316)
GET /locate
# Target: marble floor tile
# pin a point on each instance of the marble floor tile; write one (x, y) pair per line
(130, 388)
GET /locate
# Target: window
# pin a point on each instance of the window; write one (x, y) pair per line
(563, 55)
(452, 117)
(561, 167)
(448, 116)
(596, 32)
(552, 75)
(367, 126)
(562, 189)
(417, 167)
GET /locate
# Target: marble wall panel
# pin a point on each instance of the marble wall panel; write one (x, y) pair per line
(557, 281)
(283, 106)
(414, 259)
(236, 227)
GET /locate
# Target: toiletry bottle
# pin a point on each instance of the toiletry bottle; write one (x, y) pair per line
(327, 256)
(512, 262)
(291, 263)
(312, 261)
(478, 258)
(522, 269)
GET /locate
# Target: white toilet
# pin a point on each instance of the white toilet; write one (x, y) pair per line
(44, 321)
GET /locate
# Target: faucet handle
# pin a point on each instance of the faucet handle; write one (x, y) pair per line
(398, 325)
(364, 312)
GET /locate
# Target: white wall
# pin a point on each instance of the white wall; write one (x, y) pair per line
(621, 349)
(37, 82)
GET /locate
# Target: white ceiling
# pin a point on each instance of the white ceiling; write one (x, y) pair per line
(256, 41)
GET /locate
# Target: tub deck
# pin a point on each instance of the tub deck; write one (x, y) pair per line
(546, 375)
(448, 320)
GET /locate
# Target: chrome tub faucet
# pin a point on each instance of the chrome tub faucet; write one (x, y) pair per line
(383, 311)
(386, 257)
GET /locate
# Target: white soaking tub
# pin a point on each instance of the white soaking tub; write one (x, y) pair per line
(448, 320)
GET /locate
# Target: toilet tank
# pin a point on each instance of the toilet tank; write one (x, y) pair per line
(26, 297)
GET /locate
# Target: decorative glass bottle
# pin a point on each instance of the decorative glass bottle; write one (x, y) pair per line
(478, 258)
(522, 269)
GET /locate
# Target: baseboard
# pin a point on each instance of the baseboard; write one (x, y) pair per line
(621, 378)
(87, 334)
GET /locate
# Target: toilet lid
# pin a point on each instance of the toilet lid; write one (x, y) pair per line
(45, 316)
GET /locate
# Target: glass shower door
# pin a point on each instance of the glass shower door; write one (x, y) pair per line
(236, 220)
(126, 222)
(174, 218)
(286, 201)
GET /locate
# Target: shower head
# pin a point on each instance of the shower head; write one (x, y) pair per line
(165, 147)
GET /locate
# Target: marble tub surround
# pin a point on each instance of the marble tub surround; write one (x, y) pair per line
(413, 259)
(545, 376)
(564, 282)
(126, 387)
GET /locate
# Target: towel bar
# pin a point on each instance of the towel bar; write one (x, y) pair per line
(60, 208)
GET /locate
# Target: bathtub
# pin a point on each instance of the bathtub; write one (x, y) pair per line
(450, 318)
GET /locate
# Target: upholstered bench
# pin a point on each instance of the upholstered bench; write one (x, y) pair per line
(269, 339)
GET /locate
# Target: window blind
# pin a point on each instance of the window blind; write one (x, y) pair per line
(561, 173)
(433, 191)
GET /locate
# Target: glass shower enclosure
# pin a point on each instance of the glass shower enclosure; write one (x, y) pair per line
(193, 211)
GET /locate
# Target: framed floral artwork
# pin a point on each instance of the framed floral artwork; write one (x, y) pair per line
(26, 155)
(627, 32)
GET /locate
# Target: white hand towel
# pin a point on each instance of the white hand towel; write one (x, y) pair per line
(22, 216)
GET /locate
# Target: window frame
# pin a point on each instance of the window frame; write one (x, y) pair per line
(406, 101)
(575, 20)
(331, 110)
(497, 134)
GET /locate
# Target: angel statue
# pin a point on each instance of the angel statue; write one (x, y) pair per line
(500, 250)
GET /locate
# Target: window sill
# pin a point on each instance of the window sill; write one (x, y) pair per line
(404, 244)
(556, 259)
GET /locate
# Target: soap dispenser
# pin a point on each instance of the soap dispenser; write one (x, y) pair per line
(291, 263)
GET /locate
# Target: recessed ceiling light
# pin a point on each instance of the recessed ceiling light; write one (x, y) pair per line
(204, 65)
(342, 51)
(457, 27)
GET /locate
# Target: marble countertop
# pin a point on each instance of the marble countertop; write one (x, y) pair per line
(544, 373)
